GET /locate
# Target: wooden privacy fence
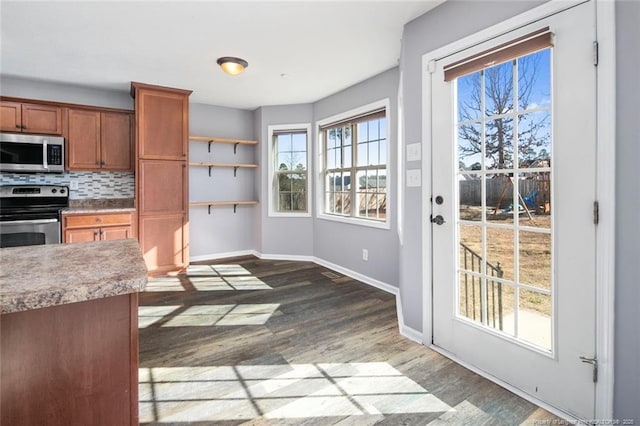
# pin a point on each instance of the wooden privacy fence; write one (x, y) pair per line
(471, 190)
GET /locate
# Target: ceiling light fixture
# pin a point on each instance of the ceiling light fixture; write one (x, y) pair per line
(231, 65)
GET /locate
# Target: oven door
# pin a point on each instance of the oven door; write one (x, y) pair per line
(29, 232)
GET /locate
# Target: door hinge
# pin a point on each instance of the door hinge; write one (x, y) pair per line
(594, 363)
(596, 212)
(595, 53)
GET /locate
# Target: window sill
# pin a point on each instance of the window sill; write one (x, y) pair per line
(293, 214)
(356, 221)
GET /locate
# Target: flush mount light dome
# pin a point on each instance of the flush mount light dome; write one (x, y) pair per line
(231, 65)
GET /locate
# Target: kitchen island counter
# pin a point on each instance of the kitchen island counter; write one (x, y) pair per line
(69, 341)
(34, 277)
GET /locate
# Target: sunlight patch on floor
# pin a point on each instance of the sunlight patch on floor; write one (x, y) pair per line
(164, 284)
(208, 278)
(205, 315)
(224, 270)
(227, 283)
(187, 394)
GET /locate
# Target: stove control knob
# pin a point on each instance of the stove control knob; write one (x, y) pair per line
(53, 191)
(62, 191)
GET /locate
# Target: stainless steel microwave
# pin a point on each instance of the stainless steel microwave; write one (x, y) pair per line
(22, 153)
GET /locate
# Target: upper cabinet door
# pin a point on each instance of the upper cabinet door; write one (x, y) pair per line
(164, 132)
(10, 116)
(83, 139)
(43, 119)
(116, 146)
(30, 118)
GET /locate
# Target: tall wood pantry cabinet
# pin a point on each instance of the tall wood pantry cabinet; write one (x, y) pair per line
(162, 133)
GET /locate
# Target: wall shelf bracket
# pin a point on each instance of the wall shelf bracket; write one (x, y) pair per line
(210, 167)
(235, 147)
(235, 171)
(234, 208)
(209, 147)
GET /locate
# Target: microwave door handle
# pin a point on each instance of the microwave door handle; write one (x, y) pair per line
(44, 154)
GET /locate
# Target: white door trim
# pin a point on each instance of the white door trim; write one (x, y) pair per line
(605, 191)
(605, 237)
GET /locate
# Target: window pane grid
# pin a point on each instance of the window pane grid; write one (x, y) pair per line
(366, 162)
(290, 176)
(504, 195)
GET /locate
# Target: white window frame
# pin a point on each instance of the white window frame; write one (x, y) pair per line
(273, 210)
(320, 165)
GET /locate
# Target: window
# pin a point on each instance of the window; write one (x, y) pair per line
(354, 166)
(289, 190)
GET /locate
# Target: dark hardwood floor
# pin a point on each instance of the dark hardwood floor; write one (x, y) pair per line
(258, 342)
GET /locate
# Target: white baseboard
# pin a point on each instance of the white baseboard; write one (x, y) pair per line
(216, 256)
(550, 408)
(357, 276)
(290, 257)
(406, 331)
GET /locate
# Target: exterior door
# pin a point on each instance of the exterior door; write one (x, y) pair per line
(513, 178)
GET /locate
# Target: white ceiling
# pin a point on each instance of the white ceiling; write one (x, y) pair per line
(321, 47)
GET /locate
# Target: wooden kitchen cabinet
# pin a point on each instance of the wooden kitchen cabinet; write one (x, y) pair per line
(78, 228)
(162, 124)
(30, 118)
(99, 140)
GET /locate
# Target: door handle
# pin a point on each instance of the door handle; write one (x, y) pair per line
(438, 220)
(594, 363)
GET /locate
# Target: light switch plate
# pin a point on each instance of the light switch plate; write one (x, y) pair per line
(414, 152)
(413, 178)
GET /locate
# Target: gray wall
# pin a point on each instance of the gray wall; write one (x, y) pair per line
(48, 91)
(222, 231)
(342, 243)
(422, 35)
(282, 235)
(627, 340)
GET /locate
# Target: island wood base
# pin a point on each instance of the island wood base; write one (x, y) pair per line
(72, 364)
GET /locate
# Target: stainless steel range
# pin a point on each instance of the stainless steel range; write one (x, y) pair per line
(30, 214)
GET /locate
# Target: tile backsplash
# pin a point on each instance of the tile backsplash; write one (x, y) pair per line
(91, 185)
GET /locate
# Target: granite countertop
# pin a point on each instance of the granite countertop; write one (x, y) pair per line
(96, 210)
(107, 205)
(40, 276)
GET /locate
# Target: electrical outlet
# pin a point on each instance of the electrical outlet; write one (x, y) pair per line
(365, 254)
(73, 185)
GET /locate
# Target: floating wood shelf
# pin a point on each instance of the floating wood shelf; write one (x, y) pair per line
(235, 166)
(211, 140)
(210, 204)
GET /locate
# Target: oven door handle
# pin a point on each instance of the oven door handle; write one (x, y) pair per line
(33, 222)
